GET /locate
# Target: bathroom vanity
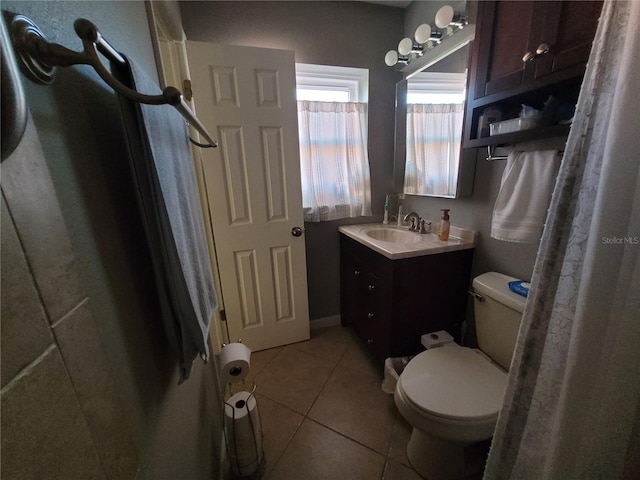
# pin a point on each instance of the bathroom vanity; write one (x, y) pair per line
(397, 285)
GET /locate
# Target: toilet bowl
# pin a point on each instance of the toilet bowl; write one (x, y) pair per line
(451, 395)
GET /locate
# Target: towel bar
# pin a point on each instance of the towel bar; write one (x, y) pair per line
(491, 157)
(39, 59)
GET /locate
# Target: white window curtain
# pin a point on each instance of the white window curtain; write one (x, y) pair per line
(433, 148)
(572, 405)
(333, 159)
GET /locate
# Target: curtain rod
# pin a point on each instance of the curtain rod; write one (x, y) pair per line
(40, 57)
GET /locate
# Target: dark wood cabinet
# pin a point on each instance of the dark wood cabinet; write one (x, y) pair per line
(555, 35)
(391, 303)
(568, 28)
(503, 36)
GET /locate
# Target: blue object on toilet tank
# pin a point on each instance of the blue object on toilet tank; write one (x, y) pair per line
(520, 287)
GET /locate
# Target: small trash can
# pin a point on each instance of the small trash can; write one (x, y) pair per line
(393, 367)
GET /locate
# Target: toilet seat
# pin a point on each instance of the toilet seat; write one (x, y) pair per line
(454, 383)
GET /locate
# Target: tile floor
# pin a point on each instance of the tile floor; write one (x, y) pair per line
(324, 414)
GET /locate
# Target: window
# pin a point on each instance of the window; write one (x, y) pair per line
(332, 122)
(434, 130)
(434, 87)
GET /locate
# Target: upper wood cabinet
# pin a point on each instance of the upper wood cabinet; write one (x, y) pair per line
(503, 31)
(525, 51)
(561, 32)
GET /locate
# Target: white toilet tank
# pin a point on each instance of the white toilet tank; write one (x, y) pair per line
(497, 316)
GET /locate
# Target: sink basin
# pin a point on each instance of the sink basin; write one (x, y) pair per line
(393, 235)
(397, 242)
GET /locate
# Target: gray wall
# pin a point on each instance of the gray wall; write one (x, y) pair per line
(89, 382)
(353, 34)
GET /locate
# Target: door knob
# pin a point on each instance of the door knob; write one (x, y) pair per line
(296, 231)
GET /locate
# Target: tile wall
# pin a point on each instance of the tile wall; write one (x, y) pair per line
(62, 416)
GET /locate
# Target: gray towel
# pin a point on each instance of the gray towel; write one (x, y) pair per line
(167, 194)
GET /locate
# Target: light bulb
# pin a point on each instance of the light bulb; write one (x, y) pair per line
(391, 58)
(423, 33)
(405, 46)
(444, 16)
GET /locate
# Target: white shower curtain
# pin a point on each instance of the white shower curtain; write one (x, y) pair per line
(572, 405)
(333, 160)
(433, 148)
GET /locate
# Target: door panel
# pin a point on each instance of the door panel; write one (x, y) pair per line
(504, 69)
(568, 29)
(247, 97)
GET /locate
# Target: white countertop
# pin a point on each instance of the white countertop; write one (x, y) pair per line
(400, 242)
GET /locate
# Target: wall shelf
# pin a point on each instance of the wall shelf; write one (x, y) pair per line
(521, 136)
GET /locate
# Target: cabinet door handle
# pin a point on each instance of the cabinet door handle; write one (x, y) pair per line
(372, 288)
(541, 50)
(370, 315)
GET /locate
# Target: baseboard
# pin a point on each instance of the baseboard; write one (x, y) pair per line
(330, 321)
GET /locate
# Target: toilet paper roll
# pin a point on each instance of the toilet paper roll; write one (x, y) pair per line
(235, 360)
(244, 435)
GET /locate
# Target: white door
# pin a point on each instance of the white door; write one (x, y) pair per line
(245, 97)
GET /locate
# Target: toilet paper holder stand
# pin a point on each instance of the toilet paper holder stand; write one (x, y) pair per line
(242, 422)
(245, 451)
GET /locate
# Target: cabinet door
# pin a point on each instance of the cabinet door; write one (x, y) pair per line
(568, 29)
(504, 37)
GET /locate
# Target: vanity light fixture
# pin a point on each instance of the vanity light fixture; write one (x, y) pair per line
(408, 50)
(429, 40)
(446, 17)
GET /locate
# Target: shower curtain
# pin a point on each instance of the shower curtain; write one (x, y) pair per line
(571, 408)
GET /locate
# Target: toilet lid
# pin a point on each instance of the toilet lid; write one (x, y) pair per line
(456, 383)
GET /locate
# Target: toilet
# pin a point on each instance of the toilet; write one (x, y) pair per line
(451, 395)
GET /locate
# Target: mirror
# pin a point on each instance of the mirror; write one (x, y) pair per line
(429, 116)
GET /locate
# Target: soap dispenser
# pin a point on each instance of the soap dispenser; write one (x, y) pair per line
(443, 227)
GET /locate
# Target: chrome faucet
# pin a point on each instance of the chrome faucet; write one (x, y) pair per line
(425, 226)
(415, 221)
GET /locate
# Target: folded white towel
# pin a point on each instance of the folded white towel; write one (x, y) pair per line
(521, 206)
